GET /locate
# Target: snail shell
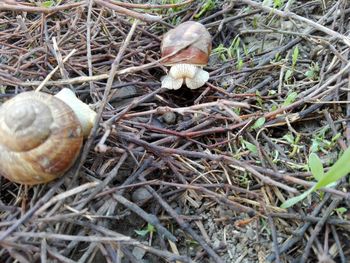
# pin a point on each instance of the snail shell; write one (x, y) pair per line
(40, 138)
(194, 37)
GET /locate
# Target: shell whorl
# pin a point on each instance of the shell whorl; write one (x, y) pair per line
(22, 117)
(40, 138)
(195, 40)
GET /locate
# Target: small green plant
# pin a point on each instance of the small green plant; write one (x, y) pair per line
(320, 143)
(244, 180)
(233, 51)
(290, 98)
(277, 58)
(259, 100)
(249, 146)
(259, 123)
(295, 56)
(293, 142)
(278, 3)
(221, 51)
(338, 170)
(207, 6)
(49, 3)
(289, 73)
(341, 210)
(170, 10)
(149, 230)
(313, 73)
(191, 243)
(255, 22)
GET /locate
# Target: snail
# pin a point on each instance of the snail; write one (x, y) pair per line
(191, 43)
(41, 135)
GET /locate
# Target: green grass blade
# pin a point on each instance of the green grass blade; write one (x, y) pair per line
(292, 201)
(316, 166)
(337, 171)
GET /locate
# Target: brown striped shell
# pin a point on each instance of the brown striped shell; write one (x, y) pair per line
(194, 37)
(40, 138)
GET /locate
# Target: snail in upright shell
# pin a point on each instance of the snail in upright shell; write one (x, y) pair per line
(193, 43)
(41, 135)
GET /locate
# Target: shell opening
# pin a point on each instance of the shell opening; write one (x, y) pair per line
(83, 112)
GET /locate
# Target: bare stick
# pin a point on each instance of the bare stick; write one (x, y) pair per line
(125, 11)
(109, 84)
(193, 108)
(14, 6)
(31, 212)
(88, 44)
(288, 14)
(43, 83)
(149, 6)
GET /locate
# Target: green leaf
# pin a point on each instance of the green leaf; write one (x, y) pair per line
(208, 5)
(142, 232)
(255, 22)
(239, 64)
(315, 146)
(295, 56)
(251, 147)
(316, 166)
(150, 228)
(278, 3)
(338, 170)
(290, 99)
(277, 57)
(48, 4)
(236, 42)
(245, 49)
(259, 123)
(292, 201)
(220, 51)
(336, 137)
(341, 210)
(313, 72)
(288, 75)
(289, 138)
(310, 74)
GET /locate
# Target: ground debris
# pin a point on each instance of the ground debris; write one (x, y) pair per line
(186, 175)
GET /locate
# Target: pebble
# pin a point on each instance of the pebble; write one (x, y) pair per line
(138, 253)
(169, 117)
(250, 234)
(140, 194)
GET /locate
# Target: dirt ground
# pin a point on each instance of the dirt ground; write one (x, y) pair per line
(203, 175)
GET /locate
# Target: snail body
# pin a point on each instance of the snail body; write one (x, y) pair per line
(191, 43)
(40, 137)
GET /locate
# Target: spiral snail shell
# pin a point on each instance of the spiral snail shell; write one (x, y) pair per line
(41, 135)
